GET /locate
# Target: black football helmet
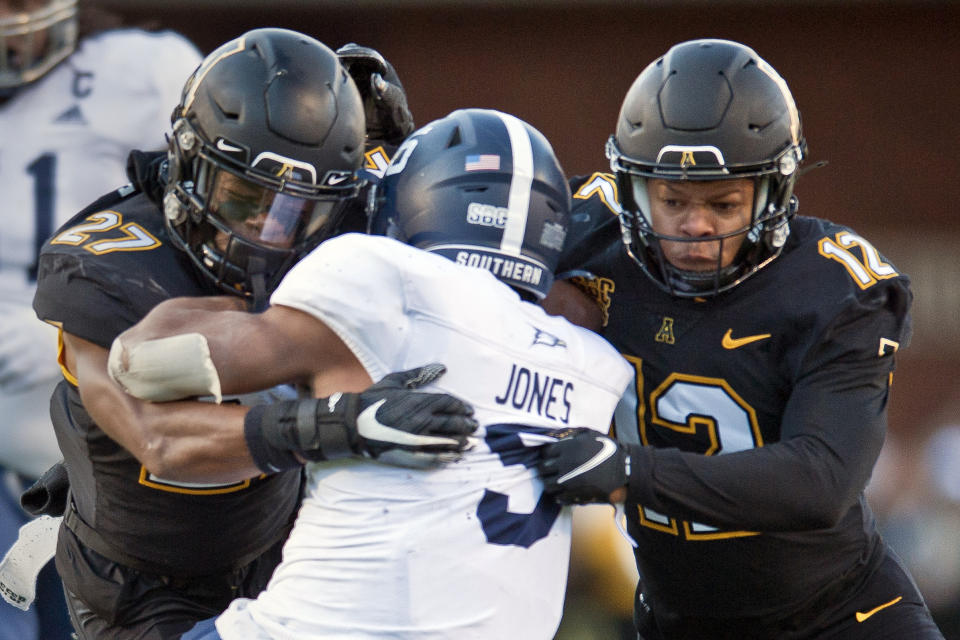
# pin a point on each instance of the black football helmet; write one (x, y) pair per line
(34, 42)
(266, 143)
(708, 110)
(483, 189)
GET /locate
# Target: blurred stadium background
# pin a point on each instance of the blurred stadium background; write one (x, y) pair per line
(877, 86)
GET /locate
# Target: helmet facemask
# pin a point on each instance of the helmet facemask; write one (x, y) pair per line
(244, 227)
(708, 111)
(263, 159)
(761, 240)
(32, 43)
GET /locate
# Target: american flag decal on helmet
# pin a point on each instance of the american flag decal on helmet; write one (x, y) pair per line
(483, 162)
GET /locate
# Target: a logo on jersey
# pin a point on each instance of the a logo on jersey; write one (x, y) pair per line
(863, 616)
(887, 346)
(503, 268)
(548, 339)
(376, 161)
(537, 393)
(604, 186)
(665, 334)
(73, 115)
(599, 289)
(729, 342)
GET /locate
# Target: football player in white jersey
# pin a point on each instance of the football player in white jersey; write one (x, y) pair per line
(471, 217)
(72, 105)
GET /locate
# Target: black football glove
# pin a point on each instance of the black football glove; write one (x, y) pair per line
(585, 466)
(384, 100)
(389, 422)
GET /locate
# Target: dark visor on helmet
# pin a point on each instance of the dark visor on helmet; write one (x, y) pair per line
(262, 215)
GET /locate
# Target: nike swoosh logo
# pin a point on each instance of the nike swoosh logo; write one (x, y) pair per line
(863, 616)
(334, 180)
(729, 342)
(607, 449)
(223, 145)
(372, 429)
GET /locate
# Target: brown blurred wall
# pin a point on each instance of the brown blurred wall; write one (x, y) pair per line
(877, 84)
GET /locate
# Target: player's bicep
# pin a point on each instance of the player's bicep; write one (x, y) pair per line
(280, 345)
(567, 300)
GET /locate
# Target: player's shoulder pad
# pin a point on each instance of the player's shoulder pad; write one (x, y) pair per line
(375, 160)
(594, 220)
(597, 190)
(843, 272)
(107, 266)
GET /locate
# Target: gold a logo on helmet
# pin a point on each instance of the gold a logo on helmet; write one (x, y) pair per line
(686, 158)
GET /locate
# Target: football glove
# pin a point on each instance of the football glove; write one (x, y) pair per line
(584, 466)
(384, 99)
(389, 422)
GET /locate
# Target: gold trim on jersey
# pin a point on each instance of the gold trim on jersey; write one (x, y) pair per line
(695, 423)
(147, 479)
(376, 161)
(867, 269)
(604, 186)
(62, 356)
(134, 237)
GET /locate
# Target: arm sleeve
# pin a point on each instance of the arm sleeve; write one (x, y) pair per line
(832, 431)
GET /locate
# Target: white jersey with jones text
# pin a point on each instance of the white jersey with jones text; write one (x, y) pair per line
(64, 144)
(469, 550)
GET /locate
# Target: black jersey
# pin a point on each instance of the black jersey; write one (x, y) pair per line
(99, 274)
(763, 408)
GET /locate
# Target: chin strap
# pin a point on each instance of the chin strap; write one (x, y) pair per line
(256, 268)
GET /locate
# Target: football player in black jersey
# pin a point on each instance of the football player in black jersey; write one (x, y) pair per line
(764, 345)
(262, 165)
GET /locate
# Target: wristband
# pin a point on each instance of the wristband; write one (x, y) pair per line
(269, 456)
(280, 435)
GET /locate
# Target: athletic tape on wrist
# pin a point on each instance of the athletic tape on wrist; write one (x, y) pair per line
(165, 369)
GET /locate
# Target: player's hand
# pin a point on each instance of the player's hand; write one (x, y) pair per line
(389, 421)
(384, 99)
(395, 424)
(583, 467)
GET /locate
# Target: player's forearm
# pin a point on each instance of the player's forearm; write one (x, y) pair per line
(236, 351)
(195, 442)
(183, 441)
(789, 486)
